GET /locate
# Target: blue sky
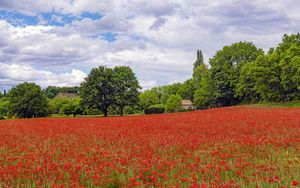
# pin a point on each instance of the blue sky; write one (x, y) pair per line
(57, 42)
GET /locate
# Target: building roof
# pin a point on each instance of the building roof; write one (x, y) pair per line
(186, 103)
(66, 95)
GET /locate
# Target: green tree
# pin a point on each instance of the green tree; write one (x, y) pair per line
(199, 73)
(225, 69)
(204, 94)
(127, 87)
(148, 98)
(56, 104)
(173, 103)
(247, 82)
(187, 89)
(260, 80)
(4, 106)
(288, 54)
(98, 89)
(199, 61)
(72, 107)
(106, 87)
(27, 100)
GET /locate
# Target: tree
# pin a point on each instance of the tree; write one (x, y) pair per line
(4, 106)
(72, 107)
(148, 98)
(27, 100)
(204, 94)
(260, 80)
(187, 90)
(288, 56)
(246, 85)
(225, 69)
(199, 73)
(199, 61)
(173, 103)
(56, 104)
(127, 86)
(98, 89)
(105, 87)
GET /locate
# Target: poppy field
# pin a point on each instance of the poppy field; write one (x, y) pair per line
(227, 147)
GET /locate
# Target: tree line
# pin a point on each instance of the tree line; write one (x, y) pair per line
(103, 90)
(238, 73)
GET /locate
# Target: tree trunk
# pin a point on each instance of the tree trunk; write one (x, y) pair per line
(105, 112)
(122, 110)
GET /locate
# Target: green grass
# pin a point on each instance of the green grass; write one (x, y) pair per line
(292, 104)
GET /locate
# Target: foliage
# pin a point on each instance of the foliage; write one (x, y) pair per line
(127, 86)
(204, 94)
(27, 100)
(289, 61)
(173, 103)
(52, 91)
(105, 87)
(199, 73)
(56, 104)
(132, 110)
(199, 62)
(154, 110)
(72, 107)
(148, 98)
(225, 68)
(4, 105)
(187, 90)
(98, 89)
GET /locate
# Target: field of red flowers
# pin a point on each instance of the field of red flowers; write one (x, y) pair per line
(228, 147)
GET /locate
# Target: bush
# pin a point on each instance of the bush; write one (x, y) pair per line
(157, 106)
(173, 103)
(155, 110)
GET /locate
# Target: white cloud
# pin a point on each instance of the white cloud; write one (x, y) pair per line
(158, 39)
(147, 84)
(14, 74)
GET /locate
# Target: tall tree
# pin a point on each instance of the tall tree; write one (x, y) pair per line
(288, 55)
(27, 100)
(199, 61)
(98, 89)
(127, 87)
(203, 96)
(225, 69)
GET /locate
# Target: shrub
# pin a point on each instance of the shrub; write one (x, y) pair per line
(173, 103)
(155, 110)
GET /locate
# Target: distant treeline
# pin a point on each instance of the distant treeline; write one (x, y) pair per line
(239, 73)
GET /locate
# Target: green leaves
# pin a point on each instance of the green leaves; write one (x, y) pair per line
(173, 103)
(109, 86)
(27, 100)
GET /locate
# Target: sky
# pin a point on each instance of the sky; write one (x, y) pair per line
(58, 42)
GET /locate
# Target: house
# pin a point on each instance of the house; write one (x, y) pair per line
(66, 95)
(187, 105)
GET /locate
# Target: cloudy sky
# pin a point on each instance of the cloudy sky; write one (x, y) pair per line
(57, 42)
